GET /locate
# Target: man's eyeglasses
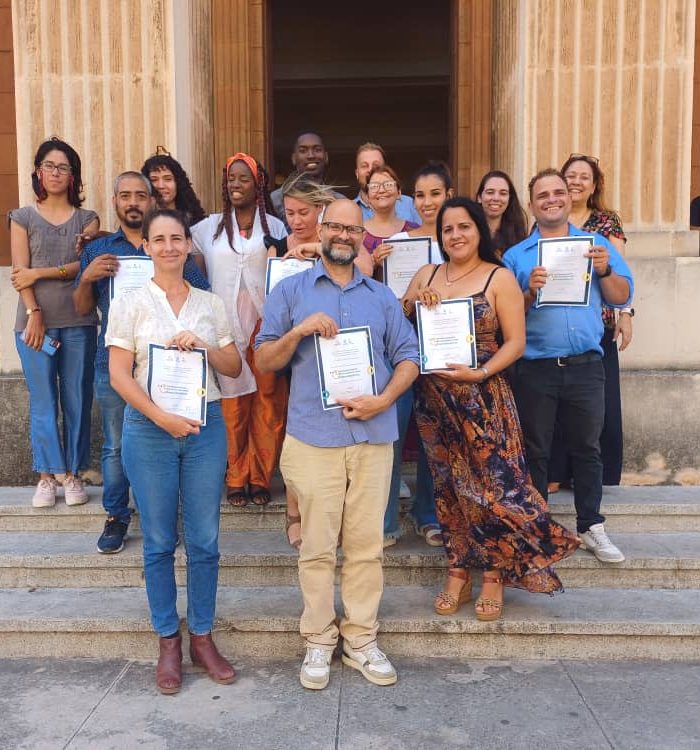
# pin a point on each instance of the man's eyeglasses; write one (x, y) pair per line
(583, 157)
(352, 229)
(375, 187)
(49, 167)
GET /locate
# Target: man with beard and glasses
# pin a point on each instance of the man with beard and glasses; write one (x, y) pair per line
(338, 461)
(99, 262)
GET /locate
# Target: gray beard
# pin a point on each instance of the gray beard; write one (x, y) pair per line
(338, 257)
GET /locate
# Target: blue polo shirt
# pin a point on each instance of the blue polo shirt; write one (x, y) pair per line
(363, 302)
(117, 244)
(404, 209)
(561, 330)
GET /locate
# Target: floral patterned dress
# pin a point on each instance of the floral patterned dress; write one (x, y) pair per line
(491, 515)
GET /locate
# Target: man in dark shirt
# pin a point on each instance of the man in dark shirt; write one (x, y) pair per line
(98, 263)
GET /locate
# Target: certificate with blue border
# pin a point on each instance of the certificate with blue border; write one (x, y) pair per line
(403, 262)
(177, 381)
(446, 334)
(345, 366)
(569, 271)
(281, 268)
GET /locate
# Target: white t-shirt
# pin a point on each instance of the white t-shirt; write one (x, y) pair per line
(238, 276)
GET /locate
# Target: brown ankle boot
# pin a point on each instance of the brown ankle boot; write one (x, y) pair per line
(169, 669)
(204, 653)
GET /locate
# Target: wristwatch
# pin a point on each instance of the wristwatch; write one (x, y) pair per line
(31, 310)
(606, 272)
(628, 311)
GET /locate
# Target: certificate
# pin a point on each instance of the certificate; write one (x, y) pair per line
(569, 271)
(280, 268)
(177, 381)
(134, 272)
(345, 366)
(446, 334)
(403, 261)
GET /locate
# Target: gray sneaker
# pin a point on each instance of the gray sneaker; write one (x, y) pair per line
(372, 663)
(73, 491)
(45, 493)
(316, 668)
(595, 540)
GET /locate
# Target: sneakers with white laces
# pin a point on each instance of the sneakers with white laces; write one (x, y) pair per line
(372, 662)
(595, 540)
(316, 668)
(45, 493)
(73, 491)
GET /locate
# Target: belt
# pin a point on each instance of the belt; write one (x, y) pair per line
(576, 359)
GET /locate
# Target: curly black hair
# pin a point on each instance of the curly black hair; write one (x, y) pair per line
(186, 200)
(75, 187)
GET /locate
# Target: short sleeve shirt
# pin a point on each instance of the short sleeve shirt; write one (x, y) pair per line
(53, 245)
(145, 317)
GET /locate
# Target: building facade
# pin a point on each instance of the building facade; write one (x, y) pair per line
(509, 84)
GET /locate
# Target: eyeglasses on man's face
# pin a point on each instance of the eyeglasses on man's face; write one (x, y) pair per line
(49, 167)
(336, 228)
(375, 187)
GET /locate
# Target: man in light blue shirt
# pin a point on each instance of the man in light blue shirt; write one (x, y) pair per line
(338, 462)
(370, 156)
(562, 367)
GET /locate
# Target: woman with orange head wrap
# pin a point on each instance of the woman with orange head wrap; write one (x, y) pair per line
(233, 247)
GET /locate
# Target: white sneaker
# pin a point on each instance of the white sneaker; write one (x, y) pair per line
(595, 540)
(372, 663)
(73, 491)
(45, 494)
(316, 668)
(404, 490)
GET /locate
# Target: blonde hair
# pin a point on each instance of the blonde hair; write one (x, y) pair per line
(304, 189)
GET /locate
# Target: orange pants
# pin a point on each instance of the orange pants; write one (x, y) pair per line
(255, 428)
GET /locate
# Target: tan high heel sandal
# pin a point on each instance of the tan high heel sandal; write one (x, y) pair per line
(453, 603)
(487, 602)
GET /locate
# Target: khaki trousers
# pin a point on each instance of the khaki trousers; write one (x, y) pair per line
(340, 489)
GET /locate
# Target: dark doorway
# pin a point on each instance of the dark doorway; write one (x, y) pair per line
(364, 71)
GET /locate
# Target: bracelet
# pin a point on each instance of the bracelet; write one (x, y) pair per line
(62, 271)
(627, 311)
(486, 373)
(31, 310)
(406, 307)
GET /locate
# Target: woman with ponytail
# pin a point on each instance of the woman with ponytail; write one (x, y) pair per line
(234, 251)
(44, 264)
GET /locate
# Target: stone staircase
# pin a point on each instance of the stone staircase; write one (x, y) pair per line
(58, 597)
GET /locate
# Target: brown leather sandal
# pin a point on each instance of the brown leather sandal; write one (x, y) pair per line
(291, 521)
(237, 497)
(259, 495)
(446, 603)
(495, 604)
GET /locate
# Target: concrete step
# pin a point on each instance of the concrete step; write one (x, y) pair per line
(583, 623)
(263, 558)
(628, 509)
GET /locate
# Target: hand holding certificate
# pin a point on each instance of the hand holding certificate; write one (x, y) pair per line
(569, 271)
(134, 272)
(281, 268)
(402, 263)
(345, 366)
(177, 381)
(446, 334)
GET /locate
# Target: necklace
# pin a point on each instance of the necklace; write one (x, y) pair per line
(466, 273)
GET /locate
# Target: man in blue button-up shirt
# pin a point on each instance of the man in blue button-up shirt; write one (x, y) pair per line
(98, 263)
(562, 366)
(338, 462)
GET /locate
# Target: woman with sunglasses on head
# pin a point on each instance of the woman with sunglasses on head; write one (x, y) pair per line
(586, 184)
(234, 250)
(171, 460)
(432, 187)
(492, 517)
(44, 262)
(505, 216)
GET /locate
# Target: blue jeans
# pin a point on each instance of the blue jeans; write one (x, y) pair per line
(423, 510)
(163, 471)
(115, 487)
(65, 378)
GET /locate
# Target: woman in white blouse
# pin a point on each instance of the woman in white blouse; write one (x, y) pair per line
(254, 404)
(169, 458)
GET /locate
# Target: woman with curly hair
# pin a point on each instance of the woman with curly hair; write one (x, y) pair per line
(44, 263)
(505, 216)
(254, 404)
(172, 186)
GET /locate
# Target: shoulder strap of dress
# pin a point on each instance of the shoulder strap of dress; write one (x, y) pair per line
(488, 281)
(432, 275)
